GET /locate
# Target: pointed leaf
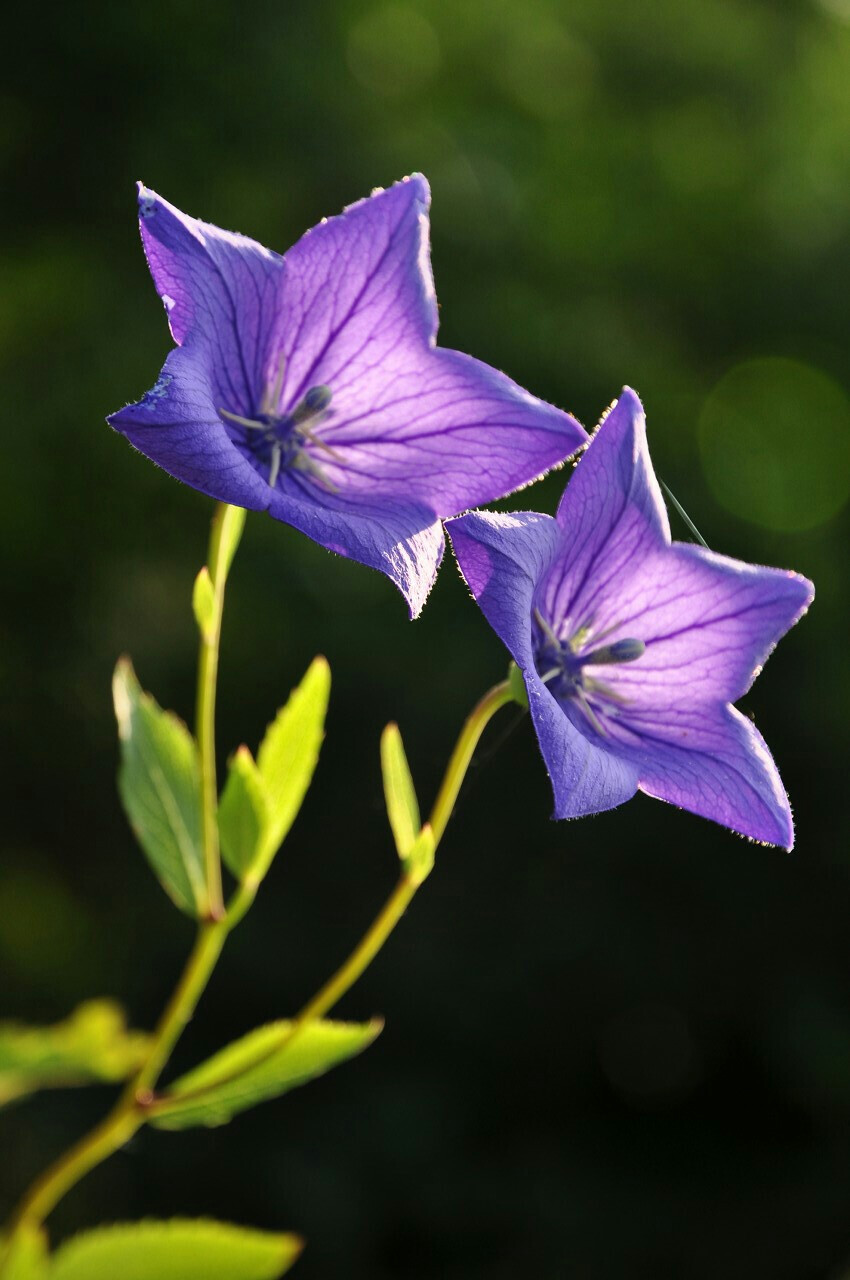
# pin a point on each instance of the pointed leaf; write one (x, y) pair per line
(243, 814)
(419, 861)
(264, 1064)
(399, 792)
(203, 602)
(27, 1257)
(288, 756)
(158, 782)
(92, 1045)
(177, 1250)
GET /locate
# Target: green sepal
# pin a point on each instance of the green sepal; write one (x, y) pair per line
(203, 602)
(243, 814)
(159, 786)
(285, 765)
(181, 1249)
(399, 791)
(418, 863)
(264, 1064)
(92, 1046)
(516, 684)
(27, 1258)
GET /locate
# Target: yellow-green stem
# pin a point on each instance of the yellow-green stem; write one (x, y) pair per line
(129, 1112)
(499, 696)
(137, 1100)
(225, 521)
(399, 900)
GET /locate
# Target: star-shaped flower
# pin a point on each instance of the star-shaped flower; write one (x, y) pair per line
(633, 647)
(311, 386)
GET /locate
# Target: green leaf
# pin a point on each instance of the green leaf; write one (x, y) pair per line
(264, 1064)
(177, 1250)
(288, 756)
(399, 792)
(90, 1046)
(159, 786)
(27, 1258)
(419, 861)
(203, 602)
(243, 814)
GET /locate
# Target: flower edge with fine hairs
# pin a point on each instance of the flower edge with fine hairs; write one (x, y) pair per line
(310, 385)
(634, 647)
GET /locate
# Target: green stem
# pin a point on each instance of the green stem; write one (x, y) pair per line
(395, 906)
(129, 1113)
(224, 535)
(499, 696)
(137, 1101)
(399, 900)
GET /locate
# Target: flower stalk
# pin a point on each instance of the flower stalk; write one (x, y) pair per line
(138, 1100)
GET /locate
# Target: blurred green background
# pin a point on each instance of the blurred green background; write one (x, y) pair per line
(619, 1047)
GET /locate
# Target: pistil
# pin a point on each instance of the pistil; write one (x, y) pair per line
(562, 664)
(284, 436)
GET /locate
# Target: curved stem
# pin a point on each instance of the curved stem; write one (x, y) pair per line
(399, 900)
(130, 1111)
(137, 1100)
(499, 696)
(395, 906)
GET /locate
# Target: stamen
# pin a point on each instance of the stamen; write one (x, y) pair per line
(589, 712)
(250, 423)
(274, 469)
(301, 462)
(318, 442)
(284, 435)
(546, 628)
(271, 398)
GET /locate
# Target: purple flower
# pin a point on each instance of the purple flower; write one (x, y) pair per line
(632, 646)
(310, 385)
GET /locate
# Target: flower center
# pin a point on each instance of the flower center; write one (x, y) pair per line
(280, 440)
(562, 665)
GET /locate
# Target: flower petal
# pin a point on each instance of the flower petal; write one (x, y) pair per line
(612, 515)
(708, 622)
(444, 428)
(502, 558)
(585, 777)
(406, 418)
(358, 290)
(222, 294)
(176, 425)
(711, 760)
(221, 290)
(401, 540)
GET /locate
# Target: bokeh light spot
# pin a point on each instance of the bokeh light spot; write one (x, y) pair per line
(774, 438)
(393, 50)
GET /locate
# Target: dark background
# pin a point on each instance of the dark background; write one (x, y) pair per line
(614, 1048)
